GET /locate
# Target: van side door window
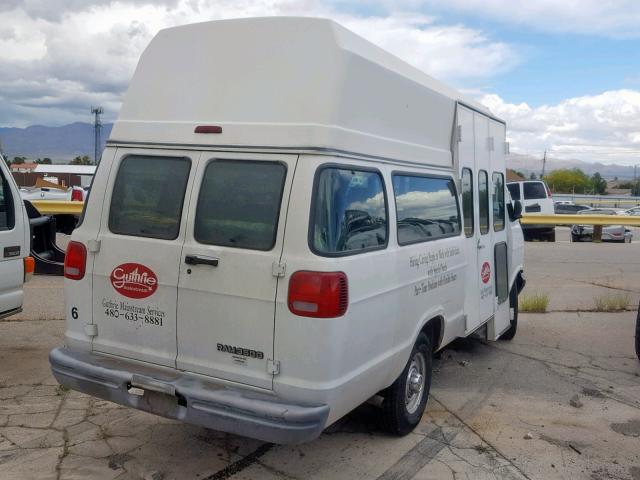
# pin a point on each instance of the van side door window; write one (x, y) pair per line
(483, 199)
(7, 214)
(427, 208)
(349, 212)
(467, 201)
(498, 202)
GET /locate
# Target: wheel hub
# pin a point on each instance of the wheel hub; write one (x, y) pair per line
(415, 382)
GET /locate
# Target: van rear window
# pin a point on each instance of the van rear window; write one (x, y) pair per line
(148, 196)
(534, 190)
(239, 204)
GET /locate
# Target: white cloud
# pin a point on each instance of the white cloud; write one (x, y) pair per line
(618, 18)
(603, 128)
(60, 56)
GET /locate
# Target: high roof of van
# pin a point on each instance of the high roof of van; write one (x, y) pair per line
(286, 82)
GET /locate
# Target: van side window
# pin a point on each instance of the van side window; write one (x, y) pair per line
(534, 190)
(349, 214)
(498, 202)
(483, 194)
(7, 214)
(467, 201)
(514, 190)
(239, 204)
(148, 196)
(426, 208)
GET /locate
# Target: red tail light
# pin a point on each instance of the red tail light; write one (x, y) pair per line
(208, 129)
(76, 195)
(318, 294)
(75, 261)
(548, 191)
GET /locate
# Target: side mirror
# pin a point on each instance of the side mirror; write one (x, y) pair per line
(515, 210)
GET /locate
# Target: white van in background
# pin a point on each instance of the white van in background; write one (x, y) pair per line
(300, 231)
(16, 266)
(536, 198)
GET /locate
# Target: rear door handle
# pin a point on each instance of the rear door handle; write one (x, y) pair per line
(199, 260)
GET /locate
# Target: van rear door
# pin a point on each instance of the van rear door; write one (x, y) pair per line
(229, 266)
(135, 271)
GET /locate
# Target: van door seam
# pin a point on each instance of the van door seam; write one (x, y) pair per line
(184, 242)
(284, 236)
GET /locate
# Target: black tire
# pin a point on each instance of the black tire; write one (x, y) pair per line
(400, 416)
(513, 303)
(551, 236)
(638, 333)
(575, 238)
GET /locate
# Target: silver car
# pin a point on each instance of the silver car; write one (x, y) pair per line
(635, 211)
(610, 233)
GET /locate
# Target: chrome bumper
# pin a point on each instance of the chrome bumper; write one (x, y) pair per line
(187, 397)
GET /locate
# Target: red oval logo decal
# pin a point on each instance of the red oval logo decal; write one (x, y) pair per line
(485, 273)
(134, 280)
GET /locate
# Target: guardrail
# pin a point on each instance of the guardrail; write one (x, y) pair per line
(620, 201)
(58, 207)
(540, 219)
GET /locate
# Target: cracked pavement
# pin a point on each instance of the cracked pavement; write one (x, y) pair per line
(497, 411)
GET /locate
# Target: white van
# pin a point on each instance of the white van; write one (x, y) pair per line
(16, 266)
(535, 197)
(286, 221)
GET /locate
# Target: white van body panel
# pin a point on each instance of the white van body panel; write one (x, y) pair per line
(15, 242)
(305, 96)
(229, 347)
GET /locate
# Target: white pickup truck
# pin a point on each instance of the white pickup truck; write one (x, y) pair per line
(76, 194)
(16, 266)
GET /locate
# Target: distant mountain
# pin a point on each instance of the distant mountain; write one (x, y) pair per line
(58, 143)
(61, 144)
(528, 164)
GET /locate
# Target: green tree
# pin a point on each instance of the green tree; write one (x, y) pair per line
(533, 176)
(44, 161)
(84, 160)
(598, 184)
(19, 160)
(568, 181)
(6, 159)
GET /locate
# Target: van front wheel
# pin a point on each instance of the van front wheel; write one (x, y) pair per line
(406, 399)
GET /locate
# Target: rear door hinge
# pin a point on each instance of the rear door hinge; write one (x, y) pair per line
(91, 329)
(278, 269)
(93, 246)
(273, 367)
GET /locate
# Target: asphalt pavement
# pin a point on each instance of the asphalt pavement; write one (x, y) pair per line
(562, 400)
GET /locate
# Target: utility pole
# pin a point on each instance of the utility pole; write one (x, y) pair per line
(544, 164)
(97, 127)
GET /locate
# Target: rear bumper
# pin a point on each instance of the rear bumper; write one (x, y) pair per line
(187, 397)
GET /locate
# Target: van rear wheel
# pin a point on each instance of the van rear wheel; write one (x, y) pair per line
(405, 400)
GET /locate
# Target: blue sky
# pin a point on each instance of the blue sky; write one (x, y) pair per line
(556, 66)
(565, 75)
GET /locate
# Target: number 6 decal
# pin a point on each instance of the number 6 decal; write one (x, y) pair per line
(74, 313)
